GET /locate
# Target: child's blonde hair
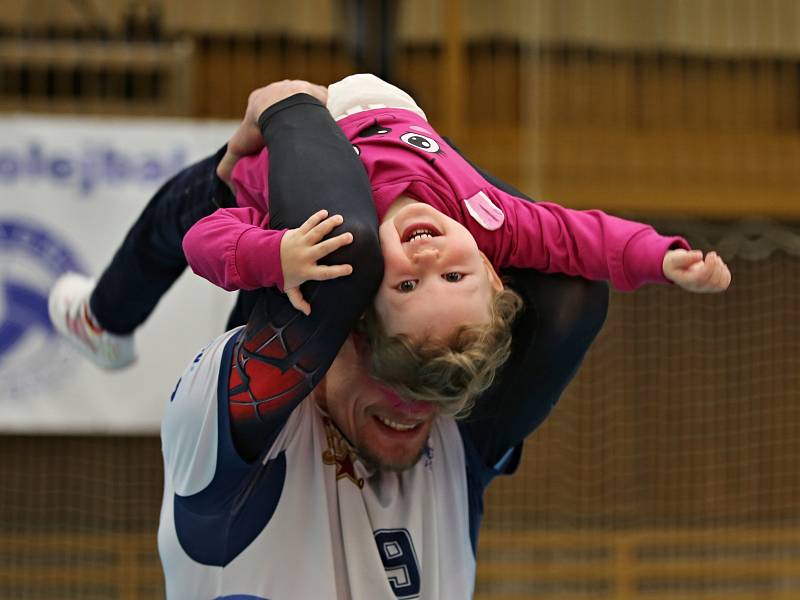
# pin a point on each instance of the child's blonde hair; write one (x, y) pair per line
(451, 373)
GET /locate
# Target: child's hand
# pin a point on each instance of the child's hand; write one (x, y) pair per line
(692, 272)
(301, 248)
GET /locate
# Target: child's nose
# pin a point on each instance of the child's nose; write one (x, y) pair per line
(428, 255)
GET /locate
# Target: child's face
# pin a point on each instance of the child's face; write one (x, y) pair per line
(435, 278)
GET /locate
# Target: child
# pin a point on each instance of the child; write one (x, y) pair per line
(444, 230)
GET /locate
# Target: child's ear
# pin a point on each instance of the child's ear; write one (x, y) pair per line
(494, 278)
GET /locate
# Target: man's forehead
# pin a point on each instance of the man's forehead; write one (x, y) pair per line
(352, 360)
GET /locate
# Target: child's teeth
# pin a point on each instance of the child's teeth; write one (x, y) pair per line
(420, 234)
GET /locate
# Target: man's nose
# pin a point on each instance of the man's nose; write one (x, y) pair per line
(425, 256)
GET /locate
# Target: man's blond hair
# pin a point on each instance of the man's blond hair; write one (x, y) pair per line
(451, 373)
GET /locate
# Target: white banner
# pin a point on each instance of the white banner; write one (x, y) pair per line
(69, 190)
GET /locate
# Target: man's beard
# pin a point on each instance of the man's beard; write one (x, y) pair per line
(375, 463)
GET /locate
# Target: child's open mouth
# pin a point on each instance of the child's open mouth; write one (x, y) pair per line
(419, 231)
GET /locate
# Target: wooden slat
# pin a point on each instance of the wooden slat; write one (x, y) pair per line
(692, 594)
(124, 563)
(127, 565)
(453, 73)
(491, 538)
(732, 571)
(531, 571)
(645, 172)
(85, 54)
(613, 564)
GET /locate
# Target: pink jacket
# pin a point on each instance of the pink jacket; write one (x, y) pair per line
(403, 155)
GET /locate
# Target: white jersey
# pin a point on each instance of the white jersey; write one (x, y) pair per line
(308, 520)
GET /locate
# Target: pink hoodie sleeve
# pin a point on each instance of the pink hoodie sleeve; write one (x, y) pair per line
(249, 177)
(592, 244)
(232, 249)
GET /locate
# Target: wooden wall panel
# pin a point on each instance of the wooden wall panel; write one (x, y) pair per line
(645, 130)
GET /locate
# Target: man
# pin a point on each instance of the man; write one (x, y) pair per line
(345, 491)
(357, 494)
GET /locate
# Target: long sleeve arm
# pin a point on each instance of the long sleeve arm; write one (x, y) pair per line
(311, 166)
(232, 249)
(592, 244)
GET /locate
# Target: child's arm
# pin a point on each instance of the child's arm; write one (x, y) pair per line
(232, 249)
(216, 246)
(592, 244)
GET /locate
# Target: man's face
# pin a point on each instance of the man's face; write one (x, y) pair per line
(386, 432)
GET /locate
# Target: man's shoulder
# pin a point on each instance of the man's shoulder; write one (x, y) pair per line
(206, 361)
(189, 428)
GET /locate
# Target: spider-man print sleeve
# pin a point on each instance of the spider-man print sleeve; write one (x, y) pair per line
(282, 354)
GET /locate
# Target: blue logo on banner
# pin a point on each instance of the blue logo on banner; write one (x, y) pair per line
(31, 353)
(88, 168)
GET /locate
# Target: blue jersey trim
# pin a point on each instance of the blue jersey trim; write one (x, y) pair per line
(215, 525)
(478, 478)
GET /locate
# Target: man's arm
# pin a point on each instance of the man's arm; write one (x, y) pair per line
(283, 354)
(562, 317)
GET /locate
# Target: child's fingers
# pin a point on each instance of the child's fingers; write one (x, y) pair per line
(324, 227)
(713, 277)
(296, 299)
(722, 277)
(325, 247)
(313, 221)
(728, 276)
(683, 259)
(326, 272)
(702, 272)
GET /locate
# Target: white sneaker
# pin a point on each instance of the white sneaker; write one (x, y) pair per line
(68, 305)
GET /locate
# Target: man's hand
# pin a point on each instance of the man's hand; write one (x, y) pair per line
(692, 272)
(247, 138)
(301, 248)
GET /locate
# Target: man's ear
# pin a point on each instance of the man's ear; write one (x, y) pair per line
(494, 278)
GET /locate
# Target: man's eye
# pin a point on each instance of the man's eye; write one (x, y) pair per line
(453, 277)
(406, 286)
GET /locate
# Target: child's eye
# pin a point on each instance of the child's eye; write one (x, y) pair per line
(453, 277)
(406, 286)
